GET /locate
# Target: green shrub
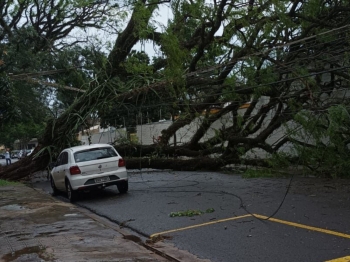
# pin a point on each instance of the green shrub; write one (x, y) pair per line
(266, 172)
(7, 183)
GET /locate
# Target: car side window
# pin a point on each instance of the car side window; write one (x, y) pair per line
(64, 158)
(59, 160)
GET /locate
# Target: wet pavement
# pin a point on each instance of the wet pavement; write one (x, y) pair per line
(36, 227)
(312, 224)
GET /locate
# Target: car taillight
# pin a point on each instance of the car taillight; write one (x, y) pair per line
(121, 162)
(74, 170)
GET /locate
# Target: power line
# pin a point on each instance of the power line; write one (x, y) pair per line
(41, 73)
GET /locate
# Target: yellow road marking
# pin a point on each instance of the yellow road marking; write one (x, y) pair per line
(341, 259)
(326, 231)
(199, 225)
(317, 229)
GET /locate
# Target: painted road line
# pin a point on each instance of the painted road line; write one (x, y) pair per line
(199, 225)
(341, 259)
(317, 229)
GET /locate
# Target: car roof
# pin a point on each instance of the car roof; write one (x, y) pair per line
(85, 147)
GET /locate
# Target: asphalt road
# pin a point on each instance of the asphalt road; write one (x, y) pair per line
(3, 161)
(311, 225)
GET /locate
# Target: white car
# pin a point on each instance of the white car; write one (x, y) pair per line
(88, 167)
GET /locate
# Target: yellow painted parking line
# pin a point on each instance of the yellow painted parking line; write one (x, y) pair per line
(341, 259)
(199, 225)
(317, 229)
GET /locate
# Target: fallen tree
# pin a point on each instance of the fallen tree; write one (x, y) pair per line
(271, 57)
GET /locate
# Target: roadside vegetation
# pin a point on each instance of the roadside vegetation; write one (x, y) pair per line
(274, 74)
(265, 172)
(191, 212)
(7, 183)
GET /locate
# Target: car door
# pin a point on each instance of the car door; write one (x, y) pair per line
(58, 172)
(64, 169)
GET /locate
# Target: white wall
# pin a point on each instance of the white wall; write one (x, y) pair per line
(148, 133)
(107, 136)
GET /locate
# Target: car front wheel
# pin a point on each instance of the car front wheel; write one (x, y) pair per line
(123, 187)
(72, 195)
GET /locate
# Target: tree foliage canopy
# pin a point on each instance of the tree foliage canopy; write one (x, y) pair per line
(40, 51)
(288, 59)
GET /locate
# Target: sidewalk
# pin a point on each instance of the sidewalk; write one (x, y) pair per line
(36, 227)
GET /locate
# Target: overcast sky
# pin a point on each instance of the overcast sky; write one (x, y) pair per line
(161, 16)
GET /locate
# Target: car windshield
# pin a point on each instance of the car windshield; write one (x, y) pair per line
(94, 153)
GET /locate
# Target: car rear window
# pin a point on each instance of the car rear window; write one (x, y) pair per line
(94, 154)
